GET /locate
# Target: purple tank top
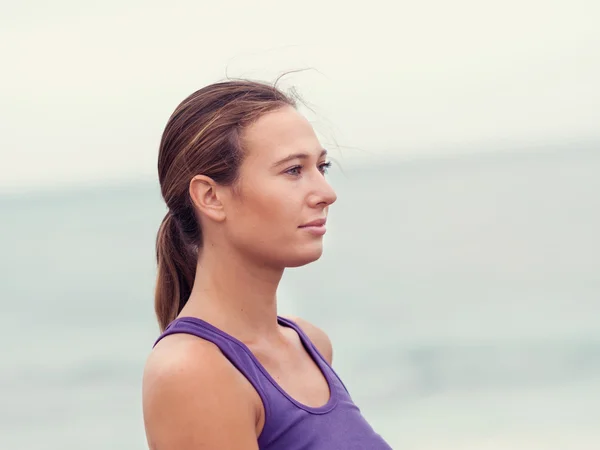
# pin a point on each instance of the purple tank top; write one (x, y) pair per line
(290, 425)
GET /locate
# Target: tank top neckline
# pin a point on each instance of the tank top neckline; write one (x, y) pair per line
(313, 354)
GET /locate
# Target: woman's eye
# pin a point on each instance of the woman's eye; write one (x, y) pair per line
(294, 170)
(325, 167)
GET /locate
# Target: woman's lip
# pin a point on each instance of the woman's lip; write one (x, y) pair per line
(318, 230)
(314, 223)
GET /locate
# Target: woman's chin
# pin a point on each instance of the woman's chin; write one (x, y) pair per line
(306, 256)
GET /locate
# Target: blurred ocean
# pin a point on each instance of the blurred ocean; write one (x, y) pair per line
(462, 295)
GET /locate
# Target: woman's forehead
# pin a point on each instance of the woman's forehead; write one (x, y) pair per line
(279, 133)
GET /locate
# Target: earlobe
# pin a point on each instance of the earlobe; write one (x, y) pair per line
(205, 197)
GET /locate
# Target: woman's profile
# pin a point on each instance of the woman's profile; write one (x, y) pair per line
(243, 176)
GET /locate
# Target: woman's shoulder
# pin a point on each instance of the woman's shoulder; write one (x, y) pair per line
(182, 358)
(317, 336)
(187, 380)
(182, 361)
(180, 352)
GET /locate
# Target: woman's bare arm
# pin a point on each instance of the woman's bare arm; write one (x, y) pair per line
(194, 399)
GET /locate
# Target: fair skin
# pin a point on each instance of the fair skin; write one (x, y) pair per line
(193, 397)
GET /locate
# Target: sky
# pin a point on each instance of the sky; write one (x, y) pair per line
(87, 89)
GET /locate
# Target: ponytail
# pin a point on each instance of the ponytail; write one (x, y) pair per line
(176, 261)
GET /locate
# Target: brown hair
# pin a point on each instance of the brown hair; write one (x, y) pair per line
(202, 136)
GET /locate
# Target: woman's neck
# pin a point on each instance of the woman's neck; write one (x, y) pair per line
(235, 295)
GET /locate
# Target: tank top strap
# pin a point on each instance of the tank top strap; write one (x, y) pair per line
(303, 337)
(312, 348)
(237, 353)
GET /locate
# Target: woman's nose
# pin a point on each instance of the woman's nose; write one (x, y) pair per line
(324, 194)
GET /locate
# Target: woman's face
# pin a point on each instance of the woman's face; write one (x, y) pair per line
(281, 189)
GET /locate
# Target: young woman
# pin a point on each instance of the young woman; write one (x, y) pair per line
(243, 176)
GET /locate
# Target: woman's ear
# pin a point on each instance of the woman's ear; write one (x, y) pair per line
(204, 193)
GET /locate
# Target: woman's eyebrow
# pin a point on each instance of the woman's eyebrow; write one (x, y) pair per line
(297, 156)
